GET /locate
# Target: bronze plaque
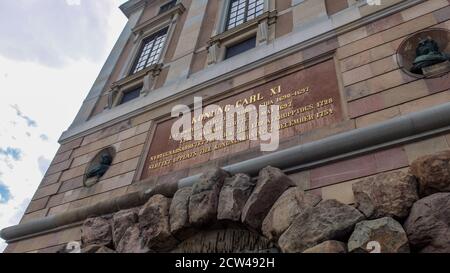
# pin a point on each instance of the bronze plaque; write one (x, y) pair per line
(308, 99)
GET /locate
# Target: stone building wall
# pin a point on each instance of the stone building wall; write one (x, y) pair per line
(371, 86)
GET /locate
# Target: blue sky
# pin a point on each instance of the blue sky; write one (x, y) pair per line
(50, 54)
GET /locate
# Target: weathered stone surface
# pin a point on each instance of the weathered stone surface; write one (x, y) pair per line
(229, 240)
(386, 195)
(97, 249)
(179, 214)
(132, 241)
(97, 231)
(330, 220)
(234, 194)
(205, 197)
(105, 250)
(328, 247)
(154, 224)
(290, 204)
(428, 225)
(385, 231)
(272, 183)
(122, 220)
(433, 173)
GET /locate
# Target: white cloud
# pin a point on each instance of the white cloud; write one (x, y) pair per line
(73, 2)
(43, 164)
(55, 32)
(38, 99)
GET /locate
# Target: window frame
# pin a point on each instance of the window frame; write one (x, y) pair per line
(246, 9)
(153, 36)
(240, 42)
(137, 89)
(167, 6)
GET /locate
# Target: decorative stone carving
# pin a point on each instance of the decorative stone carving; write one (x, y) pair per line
(98, 166)
(213, 53)
(263, 31)
(424, 53)
(427, 54)
(150, 79)
(112, 95)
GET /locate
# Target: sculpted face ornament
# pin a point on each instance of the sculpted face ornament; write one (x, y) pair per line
(428, 54)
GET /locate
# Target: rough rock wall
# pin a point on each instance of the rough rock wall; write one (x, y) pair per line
(229, 214)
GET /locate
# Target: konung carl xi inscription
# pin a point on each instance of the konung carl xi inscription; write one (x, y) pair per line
(307, 99)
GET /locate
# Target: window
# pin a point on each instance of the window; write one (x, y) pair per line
(151, 50)
(167, 6)
(130, 95)
(240, 47)
(242, 11)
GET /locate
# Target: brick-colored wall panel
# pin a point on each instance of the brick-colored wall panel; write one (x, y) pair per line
(46, 191)
(61, 157)
(50, 179)
(358, 167)
(426, 102)
(426, 147)
(59, 167)
(36, 205)
(334, 6)
(377, 117)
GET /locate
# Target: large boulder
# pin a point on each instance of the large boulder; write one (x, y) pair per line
(433, 173)
(122, 220)
(132, 241)
(179, 214)
(386, 195)
(234, 194)
(386, 232)
(154, 224)
(428, 224)
(330, 220)
(97, 231)
(290, 204)
(272, 183)
(328, 247)
(205, 197)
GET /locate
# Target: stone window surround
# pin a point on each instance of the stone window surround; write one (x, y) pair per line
(146, 77)
(261, 26)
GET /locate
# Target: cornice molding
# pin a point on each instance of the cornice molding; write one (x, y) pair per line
(159, 19)
(128, 8)
(271, 16)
